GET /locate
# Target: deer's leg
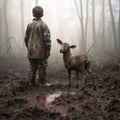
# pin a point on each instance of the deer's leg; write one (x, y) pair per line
(77, 76)
(83, 70)
(86, 77)
(93, 81)
(69, 76)
(87, 67)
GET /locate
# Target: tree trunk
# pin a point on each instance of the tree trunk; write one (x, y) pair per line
(86, 24)
(93, 23)
(8, 44)
(22, 23)
(0, 28)
(36, 2)
(113, 25)
(103, 22)
(82, 27)
(119, 27)
(80, 12)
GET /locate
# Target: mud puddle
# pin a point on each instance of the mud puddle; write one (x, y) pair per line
(51, 100)
(57, 100)
(51, 97)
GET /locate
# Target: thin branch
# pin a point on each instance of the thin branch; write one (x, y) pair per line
(13, 38)
(3, 44)
(77, 10)
(5, 53)
(90, 49)
(110, 54)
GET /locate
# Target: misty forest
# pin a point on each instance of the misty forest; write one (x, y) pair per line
(94, 27)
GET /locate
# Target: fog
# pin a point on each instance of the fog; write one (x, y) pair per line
(92, 25)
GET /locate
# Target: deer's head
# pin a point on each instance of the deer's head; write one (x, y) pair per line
(65, 47)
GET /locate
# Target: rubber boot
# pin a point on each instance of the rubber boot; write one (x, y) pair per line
(42, 77)
(31, 78)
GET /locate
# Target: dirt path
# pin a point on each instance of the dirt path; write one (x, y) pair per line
(58, 101)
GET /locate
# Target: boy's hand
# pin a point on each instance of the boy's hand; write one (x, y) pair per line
(47, 55)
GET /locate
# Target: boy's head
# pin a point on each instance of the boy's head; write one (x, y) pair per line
(37, 11)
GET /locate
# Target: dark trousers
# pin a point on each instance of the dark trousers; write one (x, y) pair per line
(40, 65)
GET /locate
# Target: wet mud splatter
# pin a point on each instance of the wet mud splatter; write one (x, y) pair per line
(58, 101)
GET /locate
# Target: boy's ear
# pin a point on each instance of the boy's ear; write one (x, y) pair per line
(73, 46)
(59, 41)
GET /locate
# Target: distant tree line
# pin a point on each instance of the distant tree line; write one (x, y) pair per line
(105, 30)
(102, 39)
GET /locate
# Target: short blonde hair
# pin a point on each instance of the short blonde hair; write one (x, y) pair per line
(37, 11)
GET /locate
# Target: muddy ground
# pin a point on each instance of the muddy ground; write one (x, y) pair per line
(58, 101)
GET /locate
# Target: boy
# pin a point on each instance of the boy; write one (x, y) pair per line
(38, 43)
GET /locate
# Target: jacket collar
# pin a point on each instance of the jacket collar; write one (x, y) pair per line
(35, 19)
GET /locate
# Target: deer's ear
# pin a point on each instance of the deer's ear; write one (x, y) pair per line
(73, 46)
(59, 41)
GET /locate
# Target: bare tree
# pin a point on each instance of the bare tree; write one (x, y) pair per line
(86, 22)
(22, 22)
(8, 44)
(36, 2)
(100, 31)
(103, 24)
(119, 26)
(80, 17)
(113, 25)
(93, 23)
(82, 27)
(0, 28)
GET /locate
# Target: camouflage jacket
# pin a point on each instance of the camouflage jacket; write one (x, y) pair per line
(37, 39)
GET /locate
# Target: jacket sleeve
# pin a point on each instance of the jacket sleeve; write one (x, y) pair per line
(27, 35)
(46, 37)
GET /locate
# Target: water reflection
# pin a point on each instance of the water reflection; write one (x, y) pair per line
(48, 84)
(51, 97)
